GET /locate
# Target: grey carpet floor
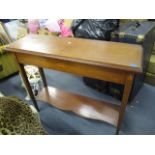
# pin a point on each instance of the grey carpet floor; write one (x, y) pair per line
(139, 117)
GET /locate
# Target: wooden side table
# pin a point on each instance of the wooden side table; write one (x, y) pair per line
(109, 61)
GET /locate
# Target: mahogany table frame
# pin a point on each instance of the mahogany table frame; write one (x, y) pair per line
(113, 113)
(121, 77)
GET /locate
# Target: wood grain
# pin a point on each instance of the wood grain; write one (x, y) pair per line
(81, 105)
(109, 61)
(111, 75)
(126, 93)
(42, 74)
(101, 53)
(27, 85)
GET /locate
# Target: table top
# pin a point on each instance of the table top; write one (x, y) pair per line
(108, 54)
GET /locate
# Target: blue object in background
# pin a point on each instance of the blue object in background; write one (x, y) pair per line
(4, 20)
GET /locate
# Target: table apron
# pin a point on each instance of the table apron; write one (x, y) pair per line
(88, 70)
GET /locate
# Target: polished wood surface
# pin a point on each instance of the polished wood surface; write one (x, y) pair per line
(126, 93)
(42, 74)
(111, 75)
(109, 61)
(27, 84)
(81, 105)
(100, 53)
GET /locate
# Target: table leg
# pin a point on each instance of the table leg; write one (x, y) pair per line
(42, 74)
(27, 85)
(126, 93)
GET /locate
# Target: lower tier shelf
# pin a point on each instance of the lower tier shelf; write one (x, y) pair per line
(81, 105)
